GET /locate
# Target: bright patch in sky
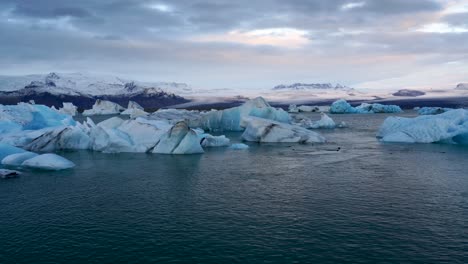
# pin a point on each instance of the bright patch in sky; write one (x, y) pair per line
(352, 5)
(160, 7)
(281, 37)
(442, 28)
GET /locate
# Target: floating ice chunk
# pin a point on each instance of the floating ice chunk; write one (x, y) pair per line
(18, 158)
(343, 107)
(324, 122)
(230, 119)
(449, 127)
(180, 139)
(7, 174)
(48, 162)
(433, 110)
(68, 109)
(238, 146)
(103, 107)
(264, 130)
(134, 110)
(6, 150)
(207, 140)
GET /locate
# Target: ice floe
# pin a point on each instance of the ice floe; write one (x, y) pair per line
(7, 174)
(239, 146)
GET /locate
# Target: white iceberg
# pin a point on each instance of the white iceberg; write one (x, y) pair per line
(134, 110)
(343, 107)
(207, 140)
(103, 107)
(264, 130)
(69, 109)
(48, 162)
(324, 122)
(239, 146)
(18, 158)
(230, 119)
(449, 127)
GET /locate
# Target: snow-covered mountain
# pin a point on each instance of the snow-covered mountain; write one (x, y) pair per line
(311, 86)
(84, 89)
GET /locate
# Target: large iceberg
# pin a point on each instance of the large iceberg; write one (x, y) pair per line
(230, 119)
(343, 107)
(68, 109)
(103, 107)
(116, 135)
(23, 116)
(449, 127)
(264, 130)
(134, 110)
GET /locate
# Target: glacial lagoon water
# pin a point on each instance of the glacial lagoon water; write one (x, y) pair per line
(352, 200)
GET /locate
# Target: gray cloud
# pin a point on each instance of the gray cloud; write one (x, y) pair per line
(144, 37)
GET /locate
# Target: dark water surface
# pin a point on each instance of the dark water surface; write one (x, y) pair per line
(365, 203)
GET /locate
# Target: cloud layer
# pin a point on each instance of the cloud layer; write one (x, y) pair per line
(241, 44)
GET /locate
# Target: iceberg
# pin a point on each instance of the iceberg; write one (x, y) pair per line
(207, 140)
(23, 116)
(324, 122)
(230, 119)
(239, 146)
(343, 107)
(264, 130)
(432, 110)
(48, 162)
(103, 107)
(449, 127)
(180, 139)
(69, 109)
(17, 159)
(134, 110)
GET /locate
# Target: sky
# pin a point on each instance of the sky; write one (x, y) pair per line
(241, 44)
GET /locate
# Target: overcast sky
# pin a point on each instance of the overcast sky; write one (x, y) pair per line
(246, 44)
